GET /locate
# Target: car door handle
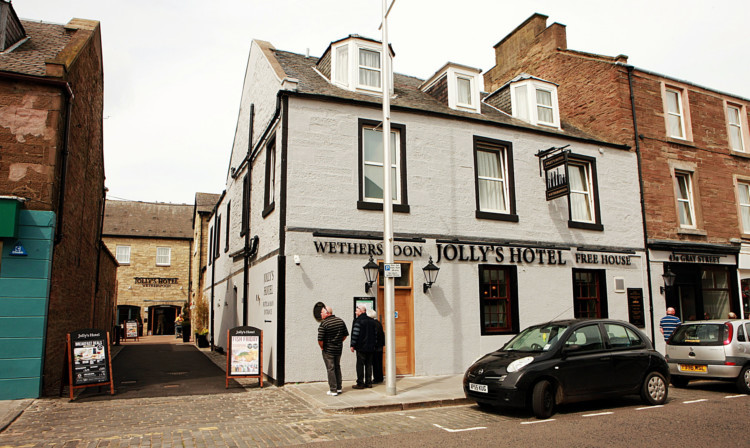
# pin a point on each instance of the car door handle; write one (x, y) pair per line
(605, 358)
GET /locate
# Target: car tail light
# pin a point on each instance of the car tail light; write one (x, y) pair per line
(730, 363)
(729, 330)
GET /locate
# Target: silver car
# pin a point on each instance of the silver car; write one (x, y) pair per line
(710, 350)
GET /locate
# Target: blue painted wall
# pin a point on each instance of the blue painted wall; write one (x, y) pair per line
(24, 294)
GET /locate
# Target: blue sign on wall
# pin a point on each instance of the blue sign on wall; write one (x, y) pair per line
(18, 250)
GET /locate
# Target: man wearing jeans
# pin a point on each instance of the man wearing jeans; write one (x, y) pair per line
(331, 335)
(364, 340)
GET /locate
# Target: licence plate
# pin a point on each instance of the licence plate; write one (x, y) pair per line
(693, 368)
(478, 388)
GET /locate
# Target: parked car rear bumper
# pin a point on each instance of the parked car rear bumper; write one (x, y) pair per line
(714, 370)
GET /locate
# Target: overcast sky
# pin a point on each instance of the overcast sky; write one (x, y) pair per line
(173, 69)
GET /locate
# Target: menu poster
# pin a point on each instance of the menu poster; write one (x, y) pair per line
(88, 359)
(90, 356)
(635, 307)
(245, 354)
(131, 329)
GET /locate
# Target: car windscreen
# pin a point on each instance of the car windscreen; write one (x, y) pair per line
(536, 339)
(698, 334)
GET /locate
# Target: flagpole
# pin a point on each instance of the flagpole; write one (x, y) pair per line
(388, 282)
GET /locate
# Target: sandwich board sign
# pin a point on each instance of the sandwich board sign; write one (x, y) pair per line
(245, 353)
(89, 363)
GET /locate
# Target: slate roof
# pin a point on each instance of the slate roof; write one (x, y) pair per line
(407, 95)
(46, 41)
(205, 202)
(148, 220)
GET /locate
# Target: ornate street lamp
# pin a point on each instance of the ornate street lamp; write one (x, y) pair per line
(669, 278)
(371, 273)
(430, 275)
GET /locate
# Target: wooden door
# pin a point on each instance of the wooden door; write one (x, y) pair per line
(404, 312)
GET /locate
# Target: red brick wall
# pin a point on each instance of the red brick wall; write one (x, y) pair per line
(106, 295)
(594, 96)
(74, 261)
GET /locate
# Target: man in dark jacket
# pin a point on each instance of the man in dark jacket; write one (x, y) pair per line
(364, 340)
(377, 358)
(331, 334)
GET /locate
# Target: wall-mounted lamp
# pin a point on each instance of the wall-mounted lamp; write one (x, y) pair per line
(371, 273)
(669, 278)
(430, 275)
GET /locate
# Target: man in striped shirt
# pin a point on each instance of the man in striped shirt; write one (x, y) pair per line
(669, 322)
(331, 335)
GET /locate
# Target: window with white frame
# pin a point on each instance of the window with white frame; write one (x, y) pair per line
(372, 166)
(581, 196)
(374, 162)
(675, 114)
(744, 199)
(685, 201)
(342, 65)
(163, 256)
(369, 68)
(493, 169)
(122, 253)
(464, 90)
(735, 128)
(535, 101)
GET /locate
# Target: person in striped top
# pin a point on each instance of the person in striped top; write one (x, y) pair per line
(331, 335)
(669, 322)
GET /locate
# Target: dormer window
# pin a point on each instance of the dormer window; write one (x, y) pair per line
(534, 101)
(457, 85)
(355, 64)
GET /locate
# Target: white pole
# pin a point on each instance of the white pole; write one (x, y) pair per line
(389, 283)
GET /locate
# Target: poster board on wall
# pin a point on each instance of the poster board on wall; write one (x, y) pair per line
(244, 353)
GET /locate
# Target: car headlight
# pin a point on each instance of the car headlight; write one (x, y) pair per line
(519, 364)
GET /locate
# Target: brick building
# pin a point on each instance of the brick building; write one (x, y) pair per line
(202, 211)
(152, 243)
(694, 154)
(55, 275)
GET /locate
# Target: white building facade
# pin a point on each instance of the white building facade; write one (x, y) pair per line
(302, 212)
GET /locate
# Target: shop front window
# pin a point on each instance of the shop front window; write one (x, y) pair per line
(497, 300)
(588, 296)
(716, 293)
(746, 296)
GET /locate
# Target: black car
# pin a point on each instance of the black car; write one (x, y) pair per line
(566, 361)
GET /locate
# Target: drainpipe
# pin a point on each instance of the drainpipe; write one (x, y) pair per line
(69, 97)
(637, 139)
(247, 190)
(99, 246)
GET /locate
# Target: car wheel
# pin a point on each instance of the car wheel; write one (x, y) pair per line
(679, 381)
(654, 390)
(743, 381)
(543, 399)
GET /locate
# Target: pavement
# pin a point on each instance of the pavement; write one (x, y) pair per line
(412, 392)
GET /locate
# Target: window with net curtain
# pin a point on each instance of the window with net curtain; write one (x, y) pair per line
(735, 128)
(491, 180)
(342, 64)
(369, 68)
(715, 290)
(581, 197)
(122, 253)
(373, 164)
(163, 256)
(544, 109)
(675, 127)
(495, 297)
(464, 90)
(744, 196)
(685, 199)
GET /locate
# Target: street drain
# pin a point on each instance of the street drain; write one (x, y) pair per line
(128, 382)
(171, 385)
(176, 373)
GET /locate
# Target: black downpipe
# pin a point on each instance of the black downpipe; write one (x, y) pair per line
(637, 139)
(99, 246)
(281, 282)
(246, 213)
(64, 169)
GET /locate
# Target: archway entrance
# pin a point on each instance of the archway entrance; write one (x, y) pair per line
(161, 319)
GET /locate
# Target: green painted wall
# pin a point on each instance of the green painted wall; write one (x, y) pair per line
(24, 293)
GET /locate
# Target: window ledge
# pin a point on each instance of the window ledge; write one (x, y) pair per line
(509, 217)
(698, 232)
(269, 208)
(400, 208)
(498, 333)
(585, 225)
(741, 154)
(679, 141)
